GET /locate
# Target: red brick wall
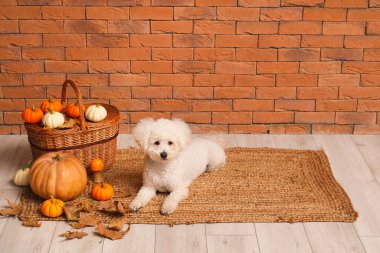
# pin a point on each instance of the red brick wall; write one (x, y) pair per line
(238, 66)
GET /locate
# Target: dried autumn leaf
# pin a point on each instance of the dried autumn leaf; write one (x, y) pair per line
(121, 193)
(13, 209)
(72, 212)
(117, 224)
(111, 234)
(69, 123)
(81, 205)
(107, 206)
(31, 223)
(85, 221)
(73, 234)
(128, 229)
(120, 208)
(86, 206)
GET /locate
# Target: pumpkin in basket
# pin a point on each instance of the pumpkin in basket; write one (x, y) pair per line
(32, 115)
(72, 110)
(51, 104)
(58, 174)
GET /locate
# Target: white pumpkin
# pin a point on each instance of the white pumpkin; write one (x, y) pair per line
(21, 177)
(53, 119)
(96, 113)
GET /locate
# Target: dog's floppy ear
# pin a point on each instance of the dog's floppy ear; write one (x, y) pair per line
(183, 132)
(142, 131)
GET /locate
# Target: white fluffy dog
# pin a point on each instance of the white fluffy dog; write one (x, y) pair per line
(172, 161)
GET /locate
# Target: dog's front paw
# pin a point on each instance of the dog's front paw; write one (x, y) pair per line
(135, 206)
(168, 208)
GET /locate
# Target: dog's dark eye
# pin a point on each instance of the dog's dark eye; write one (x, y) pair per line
(156, 143)
(170, 143)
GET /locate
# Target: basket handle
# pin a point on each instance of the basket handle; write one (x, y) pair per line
(79, 97)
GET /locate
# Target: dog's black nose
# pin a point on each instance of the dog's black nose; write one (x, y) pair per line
(164, 155)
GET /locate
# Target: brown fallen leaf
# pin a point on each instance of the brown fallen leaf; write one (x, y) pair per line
(69, 123)
(121, 193)
(117, 224)
(13, 209)
(31, 223)
(73, 234)
(72, 212)
(107, 206)
(85, 221)
(128, 229)
(87, 206)
(109, 233)
(120, 208)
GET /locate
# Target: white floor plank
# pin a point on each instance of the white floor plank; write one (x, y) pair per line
(14, 154)
(141, 238)
(230, 229)
(228, 244)
(353, 174)
(12, 195)
(334, 237)
(371, 244)
(90, 243)
(369, 147)
(282, 237)
(16, 238)
(180, 238)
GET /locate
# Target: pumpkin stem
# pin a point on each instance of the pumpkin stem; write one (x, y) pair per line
(50, 110)
(33, 108)
(57, 158)
(52, 199)
(27, 165)
(50, 99)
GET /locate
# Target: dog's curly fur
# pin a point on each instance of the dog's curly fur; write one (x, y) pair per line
(172, 161)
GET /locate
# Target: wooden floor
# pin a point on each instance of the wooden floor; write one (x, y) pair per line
(355, 161)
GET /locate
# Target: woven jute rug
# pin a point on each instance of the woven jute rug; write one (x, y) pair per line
(256, 185)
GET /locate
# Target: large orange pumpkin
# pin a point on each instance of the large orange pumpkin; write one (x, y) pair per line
(58, 174)
(52, 104)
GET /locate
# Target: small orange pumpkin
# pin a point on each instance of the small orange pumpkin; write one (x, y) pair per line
(72, 110)
(96, 165)
(102, 191)
(53, 104)
(52, 207)
(32, 115)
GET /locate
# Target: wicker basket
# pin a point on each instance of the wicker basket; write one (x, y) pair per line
(86, 140)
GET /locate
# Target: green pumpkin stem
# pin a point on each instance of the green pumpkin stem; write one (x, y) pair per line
(27, 165)
(57, 158)
(50, 110)
(50, 99)
(52, 199)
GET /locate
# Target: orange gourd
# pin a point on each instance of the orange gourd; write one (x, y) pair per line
(53, 104)
(52, 207)
(58, 174)
(32, 115)
(102, 191)
(72, 110)
(96, 165)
